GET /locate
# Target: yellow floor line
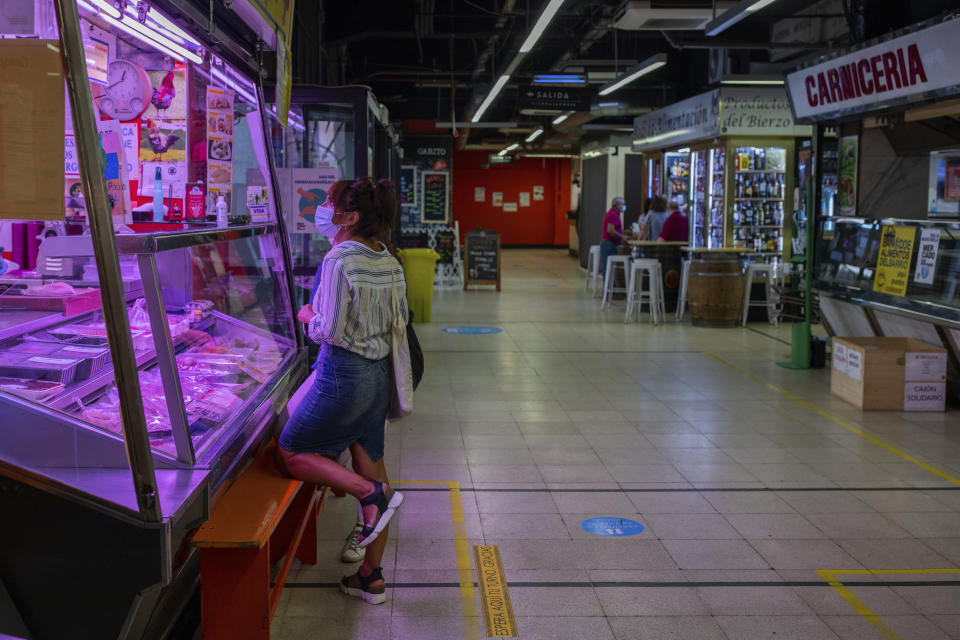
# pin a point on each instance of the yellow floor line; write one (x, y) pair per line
(468, 597)
(830, 575)
(846, 425)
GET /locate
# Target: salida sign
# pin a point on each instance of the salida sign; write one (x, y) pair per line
(547, 100)
(899, 70)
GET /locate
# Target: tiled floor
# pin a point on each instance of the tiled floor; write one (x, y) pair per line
(744, 492)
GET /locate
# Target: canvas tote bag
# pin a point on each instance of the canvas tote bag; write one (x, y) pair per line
(401, 401)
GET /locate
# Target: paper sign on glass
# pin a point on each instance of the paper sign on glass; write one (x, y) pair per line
(893, 263)
(927, 256)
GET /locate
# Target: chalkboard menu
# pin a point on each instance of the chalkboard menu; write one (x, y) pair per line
(435, 191)
(408, 186)
(414, 240)
(482, 258)
(446, 245)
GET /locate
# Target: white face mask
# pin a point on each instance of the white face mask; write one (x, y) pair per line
(324, 221)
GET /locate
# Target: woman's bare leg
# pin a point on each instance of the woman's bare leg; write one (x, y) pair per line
(377, 471)
(313, 467)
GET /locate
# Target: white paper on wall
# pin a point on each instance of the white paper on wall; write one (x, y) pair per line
(854, 364)
(925, 367)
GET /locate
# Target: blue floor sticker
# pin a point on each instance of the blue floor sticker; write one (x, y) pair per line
(472, 331)
(612, 526)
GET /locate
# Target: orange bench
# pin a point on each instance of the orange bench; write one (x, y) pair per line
(262, 517)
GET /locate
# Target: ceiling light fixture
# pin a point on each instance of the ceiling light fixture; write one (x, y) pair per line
(143, 32)
(735, 14)
(548, 12)
(650, 64)
(507, 150)
(758, 82)
(563, 116)
(494, 92)
(560, 78)
(536, 134)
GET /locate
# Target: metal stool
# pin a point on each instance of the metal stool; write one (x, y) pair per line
(593, 269)
(637, 294)
(766, 271)
(684, 279)
(608, 278)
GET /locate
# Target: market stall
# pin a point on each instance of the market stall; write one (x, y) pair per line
(147, 339)
(728, 160)
(887, 256)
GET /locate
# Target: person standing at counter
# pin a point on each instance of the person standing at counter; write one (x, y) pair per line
(676, 228)
(351, 318)
(612, 235)
(652, 223)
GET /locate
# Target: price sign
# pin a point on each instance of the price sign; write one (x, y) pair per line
(482, 258)
(408, 187)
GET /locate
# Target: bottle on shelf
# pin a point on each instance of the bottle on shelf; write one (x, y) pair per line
(158, 196)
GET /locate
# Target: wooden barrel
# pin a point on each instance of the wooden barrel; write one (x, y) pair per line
(715, 291)
(670, 263)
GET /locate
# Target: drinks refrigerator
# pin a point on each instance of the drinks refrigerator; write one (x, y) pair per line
(676, 166)
(760, 181)
(698, 199)
(707, 198)
(716, 230)
(653, 176)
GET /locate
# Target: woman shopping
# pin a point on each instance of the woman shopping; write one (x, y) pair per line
(352, 317)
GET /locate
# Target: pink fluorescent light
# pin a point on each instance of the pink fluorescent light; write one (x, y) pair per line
(230, 84)
(141, 32)
(165, 24)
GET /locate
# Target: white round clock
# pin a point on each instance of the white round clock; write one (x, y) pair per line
(127, 92)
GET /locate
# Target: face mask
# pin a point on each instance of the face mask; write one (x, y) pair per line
(324, 221)
(623, 207)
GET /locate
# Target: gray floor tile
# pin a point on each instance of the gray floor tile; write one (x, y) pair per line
(900, 501)
(313, 628)
(773, 525)
(785, 554)
(825, 502)
(747, 502)
(645, 473)
(714, 554)
(609, 503)
(753, 601)
(949, 548)
(933, 599)
(540, 526)
(432, 628)
(693, 526)
(683, 627)
(781, 627)
(902, 553)
(643, 601)
(515, 502)
(553, 602)
(857, 525)
(680, 503)
(883, 601)
(539, 628)
(575, 474)
(905, 627)
(929, 524)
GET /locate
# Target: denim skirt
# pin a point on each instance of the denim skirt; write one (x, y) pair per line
(347, 403)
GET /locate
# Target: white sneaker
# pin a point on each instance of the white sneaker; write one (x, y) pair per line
(351, 546)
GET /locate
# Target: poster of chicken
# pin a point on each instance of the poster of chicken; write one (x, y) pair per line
(163, 141)
(169, 99)
(219, 143)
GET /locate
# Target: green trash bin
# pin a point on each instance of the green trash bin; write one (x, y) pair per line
(418, 268)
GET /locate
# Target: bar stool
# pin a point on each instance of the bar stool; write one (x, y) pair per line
(765, 271)
(684, 279)
(637, 293)
(593, 269)
(608, 279)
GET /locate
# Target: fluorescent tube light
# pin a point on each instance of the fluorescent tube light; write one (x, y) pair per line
(559, 119)
(497, 87)
(735, 14)
(149, 36)
(560, 78)
(536, 134)
(548, 12)
(650, 64)
(507, 150)
(662, 136)
(763, 83)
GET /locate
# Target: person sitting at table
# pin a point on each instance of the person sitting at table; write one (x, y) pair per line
(613, 234)
(652, 223)
(676, 228)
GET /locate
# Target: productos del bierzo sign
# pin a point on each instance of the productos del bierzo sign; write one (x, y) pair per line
(909, 68)
(729, 111)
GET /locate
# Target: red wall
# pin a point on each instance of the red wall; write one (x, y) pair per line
(542, 223)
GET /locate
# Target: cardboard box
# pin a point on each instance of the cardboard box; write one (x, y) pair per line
(889, 374)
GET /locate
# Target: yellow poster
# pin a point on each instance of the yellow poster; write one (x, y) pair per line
(893, 263)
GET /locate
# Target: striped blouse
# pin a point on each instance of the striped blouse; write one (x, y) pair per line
(354, 303)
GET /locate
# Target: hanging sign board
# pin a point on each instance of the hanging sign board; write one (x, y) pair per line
(482, 258)
(763, 111)
(435, 187)
(914, 67)
(548, 100)
(31, 130)
(428, 152)
(893, 263)
(691, 119)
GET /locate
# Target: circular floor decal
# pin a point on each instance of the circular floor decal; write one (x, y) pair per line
(615, 527)
(472, 331)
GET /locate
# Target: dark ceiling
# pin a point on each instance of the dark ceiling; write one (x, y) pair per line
(436, 59)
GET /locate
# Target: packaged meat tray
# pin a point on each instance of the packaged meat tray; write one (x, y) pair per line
(51, 297)
(36, 390)
(33, 348)
(37, 367)
(93, 359)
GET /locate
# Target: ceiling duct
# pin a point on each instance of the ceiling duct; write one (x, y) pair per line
(651, 15)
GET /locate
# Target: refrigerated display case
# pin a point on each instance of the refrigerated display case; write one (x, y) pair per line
(677, 174)
(716, 231)
(654, 176)
(337, 133)
(760, 184)
(142, 362)
(699, 181)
